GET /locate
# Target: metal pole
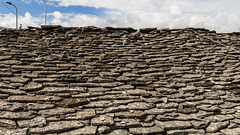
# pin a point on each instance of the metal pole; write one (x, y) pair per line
(10, 3)
(16, 16)
(45, 12)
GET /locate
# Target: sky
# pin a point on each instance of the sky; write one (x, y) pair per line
(218, 15)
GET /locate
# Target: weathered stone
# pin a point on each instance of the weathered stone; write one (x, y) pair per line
(32, 86)
(16, 115)
(28, 98)
(220, 118)
(212, 102)
(61, 90)
(173, 125)
(9, 124)
(156, 111)
(189, 89)
(102, 120)
(98, 89)
(103, 129)
(119, 132)
(146, 130)
(209, 108)
(72, 102)
(122, 102)
(200, 115)
(4, 131)
(37, 121)
(56, 111)
(234, 131)
(139, 106)
(66, 65)
(185, 132)
(5, 58)
(4, 96)
(167, 106)
(6, 86)
(187, 108)
(135, 92)
(6, 106)
(82, 115)
(57, 127)
(215, 127)
(16, 79)
(87, 130)
(115, 109)
(12, 91)
(200, 124)
(127, 123)
(36, 106)
(228, 105)
(103, 104)
(131, 114)
(233, 99)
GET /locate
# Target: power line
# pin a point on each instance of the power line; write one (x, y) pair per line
(13, 12)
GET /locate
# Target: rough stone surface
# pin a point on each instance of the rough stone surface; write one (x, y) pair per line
(4, 131)
(89, 80)
(37, 121)
(215, 127)
(82, 115)
(171, 125)
(146, 130)
(56, 127)
(56, 111)
(87, 130)
(102, 120)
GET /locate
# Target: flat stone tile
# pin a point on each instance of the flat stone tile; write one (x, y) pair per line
(139, 106)
(72, 102)
(57, 127)
(215, 127)
(127, 123)
(8, 106)
(146, 130)
(56, 111)
(32, 86)
(9, 124)
(36, 106)
(102, 120)
(37, 121)
(87, 130)
(97, 104)
(28, 98)
(185, 131)
(82, 114)
(119, 132)
(4, 131)
(173, 125)
(17, 115)
(234, 131)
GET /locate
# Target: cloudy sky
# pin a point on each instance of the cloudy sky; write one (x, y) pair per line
(219, 15)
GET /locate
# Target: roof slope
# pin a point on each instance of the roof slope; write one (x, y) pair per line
(119, 81)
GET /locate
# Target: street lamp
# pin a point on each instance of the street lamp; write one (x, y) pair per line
(45, 12)
(10, 3)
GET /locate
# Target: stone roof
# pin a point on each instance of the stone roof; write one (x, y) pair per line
(89, 80)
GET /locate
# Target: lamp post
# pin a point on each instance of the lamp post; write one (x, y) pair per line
(10, 3)
(45, 12)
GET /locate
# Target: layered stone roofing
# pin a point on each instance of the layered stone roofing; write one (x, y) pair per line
(119, 81)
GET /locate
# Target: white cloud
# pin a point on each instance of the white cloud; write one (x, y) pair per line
(68, 19)
(220, 15)
(9, 20)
